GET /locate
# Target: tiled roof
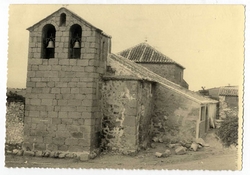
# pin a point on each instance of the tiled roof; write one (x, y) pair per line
(136, 70)
(144, 53)
(228, 91)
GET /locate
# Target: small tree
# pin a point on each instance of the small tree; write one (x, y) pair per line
(228, 132)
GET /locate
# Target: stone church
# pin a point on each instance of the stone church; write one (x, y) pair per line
(81, 97)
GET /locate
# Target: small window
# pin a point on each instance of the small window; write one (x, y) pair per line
(75, 41)
(103, 50)
(48, 38)
(63, 19)
(203, 113)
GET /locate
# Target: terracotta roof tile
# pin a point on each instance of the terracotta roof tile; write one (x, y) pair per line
(228, 91)
(144, 53)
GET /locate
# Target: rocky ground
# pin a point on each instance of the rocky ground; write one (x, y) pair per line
(212, 157)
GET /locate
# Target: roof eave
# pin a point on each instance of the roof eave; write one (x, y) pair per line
(160, 62)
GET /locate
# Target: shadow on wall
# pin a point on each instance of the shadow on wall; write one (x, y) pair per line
(175, 116)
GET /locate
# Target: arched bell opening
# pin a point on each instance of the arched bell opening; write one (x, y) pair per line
(48, 38)
(75, 41)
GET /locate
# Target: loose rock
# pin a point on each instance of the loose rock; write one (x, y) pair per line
(62, 155)
(28, 153)
(194, 146)
(84, 157)
(180, 150)
(20, 153)
(158, 154)
(153, 145)
(15, 151)
(201, 142)
(69, 155)
(167, 153)
(46, 154)
(39, 154)
(155, 139)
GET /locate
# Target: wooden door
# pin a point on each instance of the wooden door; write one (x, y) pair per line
(203, 122)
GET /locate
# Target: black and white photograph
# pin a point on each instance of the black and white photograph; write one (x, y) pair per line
(125, 86)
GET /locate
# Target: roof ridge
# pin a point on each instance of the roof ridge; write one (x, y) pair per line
(118, 53)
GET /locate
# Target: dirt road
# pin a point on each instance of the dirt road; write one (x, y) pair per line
(206, 159)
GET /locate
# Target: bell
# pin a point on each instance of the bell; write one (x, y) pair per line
(76, 45)
(50, 45)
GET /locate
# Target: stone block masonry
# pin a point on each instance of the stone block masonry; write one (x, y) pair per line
(62, 110)
(127, 115)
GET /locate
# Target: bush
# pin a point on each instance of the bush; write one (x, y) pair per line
(14, 97)
(228, 132)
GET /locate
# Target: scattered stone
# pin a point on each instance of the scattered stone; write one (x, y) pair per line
(56, 155)
(165, 139)
(70, 155)
(158, 154)
(153, 145)
(132, 152)
(173, 145)
(28, 153)
(125, 152)
(15, 151)
(39, 154)
(84, 157)
(46, 153)
(155, 139)
(180, 150)
(194, 146)
(9, 152)
(201, 142)
(52, 154)
(92, 155)
(20, 153)
(61, 155)
(160, 140)
(167, 153)
(185, 144)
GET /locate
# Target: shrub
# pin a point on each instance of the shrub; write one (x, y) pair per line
(228, 132)
(14, 97)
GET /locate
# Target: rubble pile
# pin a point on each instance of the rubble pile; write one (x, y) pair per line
(179, 148)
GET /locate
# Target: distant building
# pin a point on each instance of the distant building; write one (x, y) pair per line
(228, 101)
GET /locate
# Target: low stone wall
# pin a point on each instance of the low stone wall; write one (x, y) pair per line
(14, 125)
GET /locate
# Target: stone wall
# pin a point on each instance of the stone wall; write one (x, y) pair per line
(228, 106)
(145, 111)
(175, 116)
(63, 111)
(171, 72)
(14, 123)
(127, 108)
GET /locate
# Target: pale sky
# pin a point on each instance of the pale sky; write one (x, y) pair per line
(207, 40)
